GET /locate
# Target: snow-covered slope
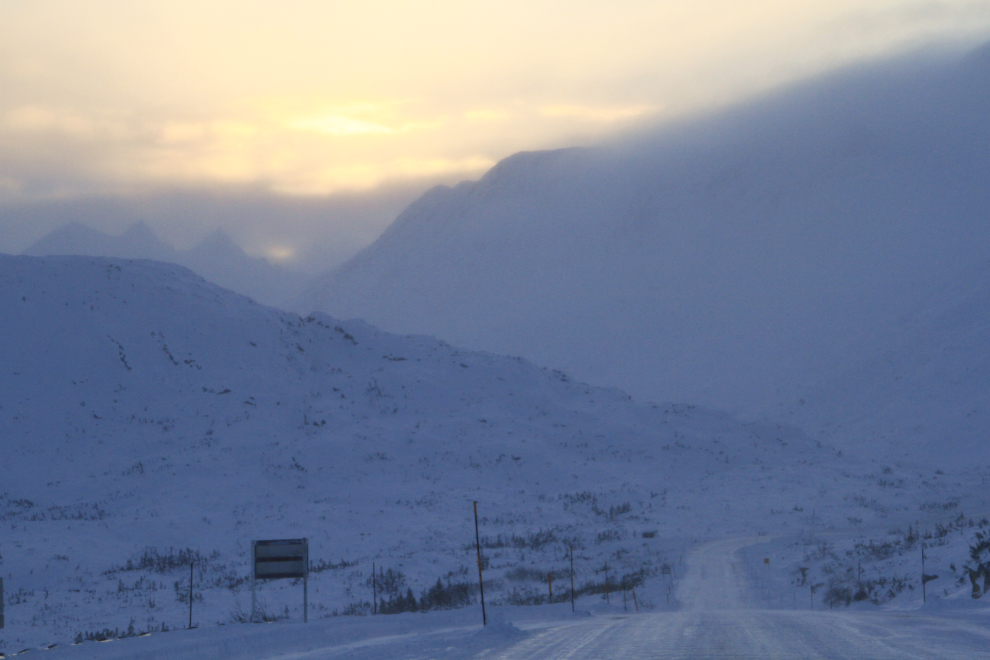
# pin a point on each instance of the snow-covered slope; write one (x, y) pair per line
(721, 260)
(217, 258)
(144, 412)
(923, 391)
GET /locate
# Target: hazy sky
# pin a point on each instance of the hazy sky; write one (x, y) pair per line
(316, 98)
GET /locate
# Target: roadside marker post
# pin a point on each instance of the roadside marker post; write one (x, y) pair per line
(572, 577)
(191, 564)
(481, 581)
(925, 579)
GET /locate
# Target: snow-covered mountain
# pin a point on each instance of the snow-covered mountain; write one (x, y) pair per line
(729, 260)
(923, 392)
(217, 258)
(149, 419)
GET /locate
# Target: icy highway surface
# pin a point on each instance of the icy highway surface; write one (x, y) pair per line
(718, 621)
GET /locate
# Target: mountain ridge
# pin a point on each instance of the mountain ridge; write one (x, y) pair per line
(217, 257)
(737, 256)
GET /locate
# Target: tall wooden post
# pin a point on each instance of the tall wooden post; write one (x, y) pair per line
(607, 599)
(254, 580)
(190, 592)
(572, 577)
(374, 590)
(550, 587)
(306, 581)
(481, 582)
(924, 595)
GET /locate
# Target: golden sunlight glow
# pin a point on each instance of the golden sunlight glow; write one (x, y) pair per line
(486, 114)
(337, 125)
(309, 98)
(280, 253)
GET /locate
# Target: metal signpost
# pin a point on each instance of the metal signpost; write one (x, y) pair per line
(280, 559)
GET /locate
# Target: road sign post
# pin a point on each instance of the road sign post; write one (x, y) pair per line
(280, 559)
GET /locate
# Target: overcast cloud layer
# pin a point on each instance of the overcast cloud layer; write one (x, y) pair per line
(319, 98)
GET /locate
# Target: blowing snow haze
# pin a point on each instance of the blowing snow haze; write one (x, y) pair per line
(728, 260)
(814, 262)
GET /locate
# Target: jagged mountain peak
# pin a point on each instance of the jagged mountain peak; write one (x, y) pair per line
(217, 257)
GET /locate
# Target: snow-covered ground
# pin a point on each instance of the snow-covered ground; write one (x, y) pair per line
(150, 420)
(723, 615)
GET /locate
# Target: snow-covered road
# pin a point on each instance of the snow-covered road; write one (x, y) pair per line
(718, 621)
(753, 634)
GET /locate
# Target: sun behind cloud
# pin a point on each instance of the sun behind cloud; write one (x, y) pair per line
(313, 98)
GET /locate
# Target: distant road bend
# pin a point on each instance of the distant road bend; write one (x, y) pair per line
(716, 622)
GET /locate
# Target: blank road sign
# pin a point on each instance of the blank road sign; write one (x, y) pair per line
(285, 558)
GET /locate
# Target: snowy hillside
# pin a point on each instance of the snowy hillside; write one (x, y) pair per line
(149, 419)
(724, 260)
(923, 392)
(217, 258)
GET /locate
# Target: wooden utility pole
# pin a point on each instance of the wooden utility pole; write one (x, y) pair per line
(481, 582)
